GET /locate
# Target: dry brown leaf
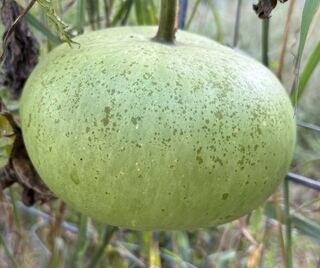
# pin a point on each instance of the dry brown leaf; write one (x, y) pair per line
(265, 7)
(21, 50)
(254, 257)
(20, 170)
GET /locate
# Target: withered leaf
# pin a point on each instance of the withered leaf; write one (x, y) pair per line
(20, 170)
(265, 7)
(21, 53)
(60, 25)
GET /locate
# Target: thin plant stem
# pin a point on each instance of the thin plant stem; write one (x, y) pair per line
(265, 42)
(237, 24)
(288, 224)
(92, 6)
(97, 10)
(285, 39)
(81, 16)
(279, 225)
(193, 12)
(54, 233)
(265, 238)
(215, 14)
(127, 13)
(154, 254)
(168, 14)
(82, 240)
(108, 233)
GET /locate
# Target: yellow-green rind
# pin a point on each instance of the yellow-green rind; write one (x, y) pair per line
(150, 136)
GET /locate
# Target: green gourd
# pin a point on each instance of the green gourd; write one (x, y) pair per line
(152, 136)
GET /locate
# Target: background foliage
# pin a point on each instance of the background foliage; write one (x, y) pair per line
(56, 236)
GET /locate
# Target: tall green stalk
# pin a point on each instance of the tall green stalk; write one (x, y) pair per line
(108, 233)
(81, 15)
(82, 242)
(288, 224)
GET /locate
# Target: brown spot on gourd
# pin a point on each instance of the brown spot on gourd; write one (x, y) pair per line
(135, 120)
(107, 117)
(74, 178)
(199, 159)
(225, 196)
(147, 75)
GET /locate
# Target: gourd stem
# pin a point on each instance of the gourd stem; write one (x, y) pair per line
(166, 30)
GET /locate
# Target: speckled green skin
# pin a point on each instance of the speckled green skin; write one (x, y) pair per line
(151, 136)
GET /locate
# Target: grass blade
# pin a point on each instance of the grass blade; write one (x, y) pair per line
(193, 12)
(42, 29)
(303, 225)
(221, 259)
(122, 13)
(154, 254)
(150, 12)
(313, 61)
(285, 39)
(140, 12)
(81, 16)
(153, 12)
(93, 13)
(309, 10)
(277, 206)
(82, 240)
(215, 14)
(288, 224)
(108, 233)
(7, 251)
(183, 245)
(174, 258)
